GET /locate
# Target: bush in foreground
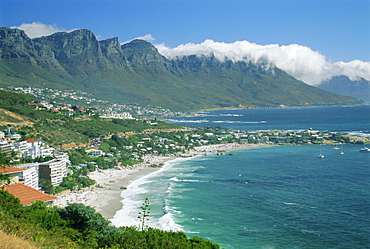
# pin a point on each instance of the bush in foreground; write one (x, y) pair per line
(79, 226)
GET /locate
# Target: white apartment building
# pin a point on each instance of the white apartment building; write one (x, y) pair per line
(63, 156)
(32, 148)
(21, 148)
(15, 136)
(30, 175)
(53, 171)
(47, 151)
(7, 148)
(95, 152)
(125, 115)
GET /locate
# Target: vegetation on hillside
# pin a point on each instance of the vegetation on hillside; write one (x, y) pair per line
(60, 129)
(79, 226)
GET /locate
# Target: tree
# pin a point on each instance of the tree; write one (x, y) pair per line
(4, 161)
(46, 186)
(8, 202)
(86, 220)
(47, 217)
(144, 214)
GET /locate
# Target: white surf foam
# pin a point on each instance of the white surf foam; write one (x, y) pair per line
(132, 201)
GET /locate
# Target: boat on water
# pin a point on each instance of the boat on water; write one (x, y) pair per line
(365, 150)
(336, 147)
(321, 155)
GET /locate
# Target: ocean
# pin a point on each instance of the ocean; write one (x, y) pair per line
(272, 197)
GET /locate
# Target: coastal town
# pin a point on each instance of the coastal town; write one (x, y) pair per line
(59, 100)
(39, 171)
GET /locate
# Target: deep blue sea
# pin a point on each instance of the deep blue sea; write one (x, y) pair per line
(274, 197)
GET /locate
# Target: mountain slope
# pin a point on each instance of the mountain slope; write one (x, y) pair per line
(345, 86)
(136, 73)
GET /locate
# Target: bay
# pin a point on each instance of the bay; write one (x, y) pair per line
(274, 197)
(354, 119)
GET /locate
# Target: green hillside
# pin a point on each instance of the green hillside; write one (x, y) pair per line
(60, 130)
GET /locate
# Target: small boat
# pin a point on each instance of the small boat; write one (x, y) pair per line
(365, 150)
(335, 147)
(321, 155)
(341, 149)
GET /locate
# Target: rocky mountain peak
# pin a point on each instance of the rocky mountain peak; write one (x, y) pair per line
(137, 73)
(111, 48)
(15, 43)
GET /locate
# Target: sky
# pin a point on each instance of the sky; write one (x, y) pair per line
(328, 35)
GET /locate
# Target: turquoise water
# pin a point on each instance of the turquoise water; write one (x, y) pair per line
(275, 197)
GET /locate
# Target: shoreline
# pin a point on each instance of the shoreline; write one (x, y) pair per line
(105, 195)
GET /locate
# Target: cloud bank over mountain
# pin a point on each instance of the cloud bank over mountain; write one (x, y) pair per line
(147, 37)
(38, 29)
(299, 61)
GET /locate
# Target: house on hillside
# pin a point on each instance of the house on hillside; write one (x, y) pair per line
(38, 106)
(95, 153)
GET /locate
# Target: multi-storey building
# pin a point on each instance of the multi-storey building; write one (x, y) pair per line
(53, 171)
(7, 148)
(26, 194)
(30, 175)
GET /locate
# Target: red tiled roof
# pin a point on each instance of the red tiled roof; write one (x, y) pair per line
(9, 169)
(26, 194)
(31, 140)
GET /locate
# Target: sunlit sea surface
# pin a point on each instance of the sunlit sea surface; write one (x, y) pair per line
(274, 197)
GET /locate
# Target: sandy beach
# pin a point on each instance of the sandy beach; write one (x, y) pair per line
(105, 196)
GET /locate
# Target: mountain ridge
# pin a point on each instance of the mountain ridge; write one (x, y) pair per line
(359, 88)
(136, 72)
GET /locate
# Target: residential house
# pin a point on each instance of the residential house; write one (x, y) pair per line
(95, 152)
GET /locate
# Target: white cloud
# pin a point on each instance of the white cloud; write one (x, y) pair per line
(147, 37)
(38, 29)
(299, 61)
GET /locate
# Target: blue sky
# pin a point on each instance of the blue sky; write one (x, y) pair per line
(338, 29)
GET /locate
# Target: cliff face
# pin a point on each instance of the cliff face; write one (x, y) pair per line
(14, 43)
(136, 73)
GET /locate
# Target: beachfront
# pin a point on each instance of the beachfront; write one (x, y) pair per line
(105, 196)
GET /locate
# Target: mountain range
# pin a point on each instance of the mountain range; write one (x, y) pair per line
(359, 88)
(136, 72)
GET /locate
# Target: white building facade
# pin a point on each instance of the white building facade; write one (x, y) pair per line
(53, 171)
